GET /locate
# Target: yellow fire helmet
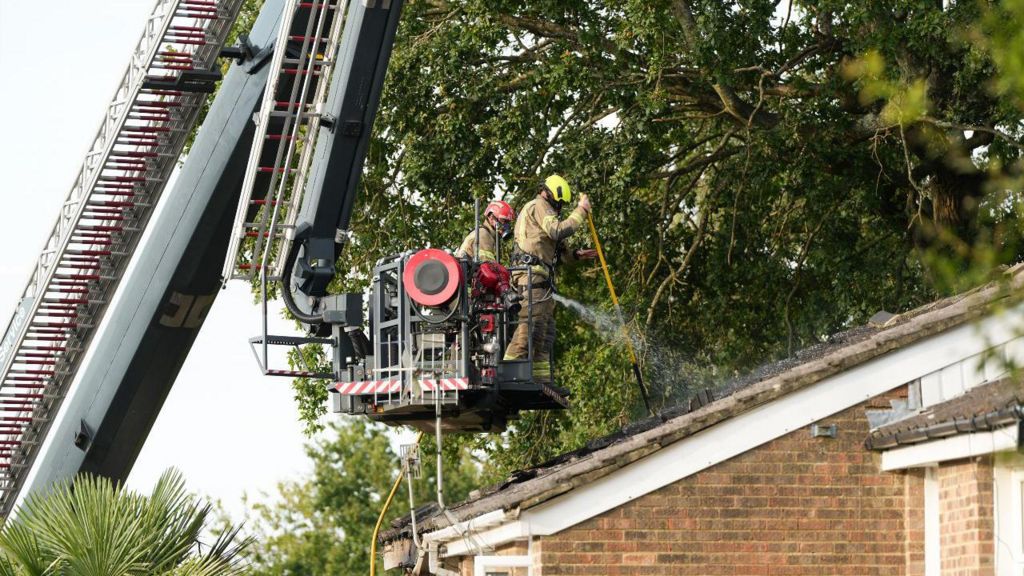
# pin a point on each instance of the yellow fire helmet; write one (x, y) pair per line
(559, 188)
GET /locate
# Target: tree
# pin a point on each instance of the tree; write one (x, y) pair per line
(764, 173)
(763, 176)
(323, 524)
(96, 528)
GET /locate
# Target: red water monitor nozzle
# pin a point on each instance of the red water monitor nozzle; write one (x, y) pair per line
(432, 277)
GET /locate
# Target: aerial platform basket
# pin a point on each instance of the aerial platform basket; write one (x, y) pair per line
(437, 342)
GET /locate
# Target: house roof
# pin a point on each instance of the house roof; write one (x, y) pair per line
(527, 488)
(984, 408)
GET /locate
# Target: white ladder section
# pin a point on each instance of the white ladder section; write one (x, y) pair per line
(100, 223)
(286, 127)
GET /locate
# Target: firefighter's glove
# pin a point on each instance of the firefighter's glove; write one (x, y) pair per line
(585, 203)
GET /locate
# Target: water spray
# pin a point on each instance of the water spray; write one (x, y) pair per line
(618, 311)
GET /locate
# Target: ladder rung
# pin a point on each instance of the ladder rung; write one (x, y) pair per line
(285, 103)
(196, 15)
(299, 61)
(178, 36)
(161, 92)
(177, 41)
(292, 114)
(258, 225)
(157, 103)
(146, 129)
(173, 57)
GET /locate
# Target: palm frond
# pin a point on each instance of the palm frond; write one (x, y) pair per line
(96, 528)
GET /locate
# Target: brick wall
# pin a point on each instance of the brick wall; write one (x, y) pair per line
(794, 506)
(965, 517)
(913, 515)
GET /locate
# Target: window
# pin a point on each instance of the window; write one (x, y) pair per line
(1008, 505)
(501, 566)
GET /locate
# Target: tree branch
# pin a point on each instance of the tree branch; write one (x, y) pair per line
(697, 239)
(740, 110)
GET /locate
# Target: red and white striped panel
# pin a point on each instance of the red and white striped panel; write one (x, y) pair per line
(444, 384)
(369, 387)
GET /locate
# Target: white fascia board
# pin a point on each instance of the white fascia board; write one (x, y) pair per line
(760, 425)
(456, 531)
(477, 542)
(952, 448)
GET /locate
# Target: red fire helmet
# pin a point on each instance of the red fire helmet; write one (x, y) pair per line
(501, 210)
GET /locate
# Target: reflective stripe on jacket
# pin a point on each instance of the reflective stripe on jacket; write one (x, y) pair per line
(488, 252)
(540, 233)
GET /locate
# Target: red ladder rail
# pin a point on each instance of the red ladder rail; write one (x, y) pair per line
(100, 224)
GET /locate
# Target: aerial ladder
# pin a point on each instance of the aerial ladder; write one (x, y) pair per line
(285, 141)
(101, 221)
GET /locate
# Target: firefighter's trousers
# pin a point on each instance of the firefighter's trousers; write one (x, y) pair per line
(543, 311)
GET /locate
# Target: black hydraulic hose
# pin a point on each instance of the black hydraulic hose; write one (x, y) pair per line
(286, 289)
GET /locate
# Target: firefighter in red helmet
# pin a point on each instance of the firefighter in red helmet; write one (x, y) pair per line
(497, 225)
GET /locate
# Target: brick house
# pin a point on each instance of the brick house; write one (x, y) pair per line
(893, 448)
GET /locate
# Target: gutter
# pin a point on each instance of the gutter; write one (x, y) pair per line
(459, 530)
(981, 423)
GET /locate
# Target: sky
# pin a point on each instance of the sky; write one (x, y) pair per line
(229, 429)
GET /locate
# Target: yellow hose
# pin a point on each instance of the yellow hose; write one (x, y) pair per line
(384, 510)
(618, 311)
(611, 287)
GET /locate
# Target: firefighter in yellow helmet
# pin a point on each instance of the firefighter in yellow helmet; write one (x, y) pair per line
(540, 243)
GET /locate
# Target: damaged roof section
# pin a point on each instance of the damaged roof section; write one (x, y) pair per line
(981, 409)
(527, 488)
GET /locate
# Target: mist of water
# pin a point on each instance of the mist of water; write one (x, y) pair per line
(670, 375)
(609, 326)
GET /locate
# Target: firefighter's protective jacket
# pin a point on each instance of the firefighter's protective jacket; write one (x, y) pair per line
(488, 252)
(539, 233)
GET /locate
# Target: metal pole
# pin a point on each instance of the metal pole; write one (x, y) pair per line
(476, 219)
(263, 298)
(437, 435)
